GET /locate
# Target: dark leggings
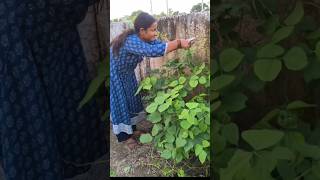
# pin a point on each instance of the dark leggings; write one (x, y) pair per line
(124, 136)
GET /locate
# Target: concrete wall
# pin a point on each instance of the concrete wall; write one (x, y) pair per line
(183, 26)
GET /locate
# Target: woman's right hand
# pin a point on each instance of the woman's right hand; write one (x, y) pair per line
(185, 43)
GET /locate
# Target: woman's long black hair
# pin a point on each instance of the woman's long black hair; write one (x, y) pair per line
(143, 20)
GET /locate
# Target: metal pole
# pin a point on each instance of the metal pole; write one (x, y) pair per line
(151, 6)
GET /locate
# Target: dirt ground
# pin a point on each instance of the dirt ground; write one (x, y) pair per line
(145, 161)
(137, 163)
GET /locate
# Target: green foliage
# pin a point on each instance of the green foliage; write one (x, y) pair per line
(179, 112)
(282, 144)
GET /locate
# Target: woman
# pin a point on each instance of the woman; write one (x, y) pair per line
(127, 50)
(43, 77)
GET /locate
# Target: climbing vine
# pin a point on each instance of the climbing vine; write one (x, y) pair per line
(258, 47)
(178, 107)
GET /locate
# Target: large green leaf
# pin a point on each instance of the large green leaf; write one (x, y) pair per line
(282, 33)
(202, 156)
(154, 117)
(202, 80)
(231, 133)
(164, 107)
(263, 138)
(296, 15)
(238, 160)
(95, 84)
(156, 128)
(166, 154)
(180, 142)
(145, 138)
(298, 104)
(205, 143)
(267, 69)
(174, 83)
(234, 102)
(283, 153)
(230, 59)
(192, 105)
(159, 99)
(222, 81)
(152, 107)
(295, 59)
(182, 80)
(170, 138)
(308, 150)
(193, 82)
(270, 51)
(185, 124)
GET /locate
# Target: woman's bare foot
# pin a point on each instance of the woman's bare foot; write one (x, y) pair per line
(138, 133)
(131, 143)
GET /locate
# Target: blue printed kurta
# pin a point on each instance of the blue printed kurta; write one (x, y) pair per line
(123, 83)
(43, 77)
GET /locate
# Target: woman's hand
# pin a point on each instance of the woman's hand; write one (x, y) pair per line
(185, 43)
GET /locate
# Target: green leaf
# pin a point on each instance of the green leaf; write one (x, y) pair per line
(198, 149)
(270, 51)
(172, 130)
(295, 59)
(263, 138)
(282, 33)
(192, 105)
(159, 99)
(296, 15)
(169, 138)
(267, 69)
(182, 80)
(298, 104)
(317, 50)
(147, 87)
(185, 124)
(180, 142)
(308, 150)
(222, 81)
(154, 117)
(283, 153)
(202, 80)
(174, 83)
(152, 107)
(166, 154)
(234, 102)
(202, 156)
(193, 82)
(95, 84)
(230, 59)
(231, 133)
(156, 128)
(238, 160)
(184, 114)
(145, 138)
(164, 107)
(205, 143)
